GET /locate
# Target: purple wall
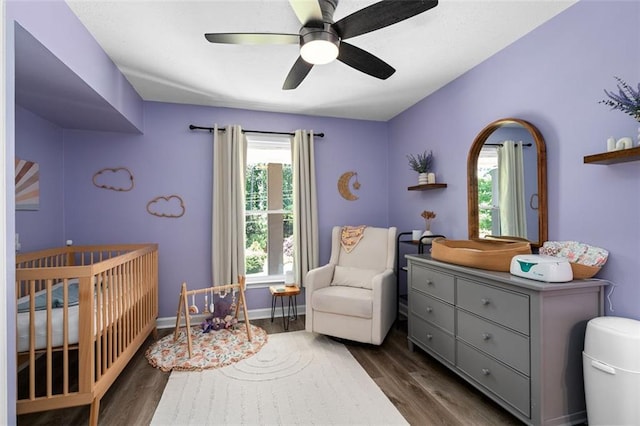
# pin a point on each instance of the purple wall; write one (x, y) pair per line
(41, 141)
(54, 25)
(553, 77)
(171, 159)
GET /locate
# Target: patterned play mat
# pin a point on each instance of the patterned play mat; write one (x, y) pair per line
(210, 350)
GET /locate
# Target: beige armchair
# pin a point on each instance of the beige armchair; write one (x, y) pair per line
(354, 296)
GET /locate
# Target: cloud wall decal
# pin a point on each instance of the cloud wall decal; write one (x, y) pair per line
(171, 206)
(114, 178)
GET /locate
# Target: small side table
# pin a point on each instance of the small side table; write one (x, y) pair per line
(280, 292)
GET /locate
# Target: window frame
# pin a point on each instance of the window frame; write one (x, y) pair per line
(257, 141)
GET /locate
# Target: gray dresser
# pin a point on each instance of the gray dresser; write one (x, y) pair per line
(518, 341)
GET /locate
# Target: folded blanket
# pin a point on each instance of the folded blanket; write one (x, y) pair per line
(57, 298)
(576, 252)
(351, 236)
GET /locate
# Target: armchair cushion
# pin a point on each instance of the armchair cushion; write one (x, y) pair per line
(353, 277)
(350, 301)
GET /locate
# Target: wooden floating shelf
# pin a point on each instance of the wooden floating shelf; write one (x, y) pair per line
(427, 186)
(613, 157)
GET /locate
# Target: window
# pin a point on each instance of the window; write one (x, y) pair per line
(269, 208)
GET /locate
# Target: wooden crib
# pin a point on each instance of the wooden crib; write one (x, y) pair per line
(82, 313)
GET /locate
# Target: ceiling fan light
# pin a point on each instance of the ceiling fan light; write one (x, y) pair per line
(319, 52)
(319, 45)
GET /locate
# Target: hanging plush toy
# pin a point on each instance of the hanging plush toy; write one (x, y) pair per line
(221, 310)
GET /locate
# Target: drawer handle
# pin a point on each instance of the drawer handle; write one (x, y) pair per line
(485, 301)
(486, 371)
(429, 282)
(429, 336)
(486, 336)
(429, 309)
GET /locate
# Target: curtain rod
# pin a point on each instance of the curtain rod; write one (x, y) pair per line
(499, 144)
(211, 129)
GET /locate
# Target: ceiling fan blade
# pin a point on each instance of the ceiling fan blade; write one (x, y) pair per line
(298, 72)
(253, 38)
(307, 10)
(380, 15)
(364, 61)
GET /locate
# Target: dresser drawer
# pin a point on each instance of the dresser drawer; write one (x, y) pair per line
(509, 385)
(432, 282)
(506, 345)
(502, 306)
(433, 338)
(433, 310)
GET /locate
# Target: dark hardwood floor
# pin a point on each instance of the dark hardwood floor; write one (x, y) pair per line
(425, 392)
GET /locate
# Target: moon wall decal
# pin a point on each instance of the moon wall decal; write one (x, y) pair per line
(343, 186)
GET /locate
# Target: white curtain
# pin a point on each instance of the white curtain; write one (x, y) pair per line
(228, 214)
(305, 205)
(513, 221)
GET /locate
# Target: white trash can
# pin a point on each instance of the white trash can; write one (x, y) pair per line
(611, 366)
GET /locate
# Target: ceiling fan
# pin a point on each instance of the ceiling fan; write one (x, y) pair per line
(321, 39)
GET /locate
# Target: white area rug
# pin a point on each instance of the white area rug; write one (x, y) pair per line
(297, 378)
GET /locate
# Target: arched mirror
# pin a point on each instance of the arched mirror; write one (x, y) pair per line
(507, 182)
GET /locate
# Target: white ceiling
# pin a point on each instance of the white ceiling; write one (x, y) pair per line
(160, 47)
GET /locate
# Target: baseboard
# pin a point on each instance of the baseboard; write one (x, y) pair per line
(254, 314)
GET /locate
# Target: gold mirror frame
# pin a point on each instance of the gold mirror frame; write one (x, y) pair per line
(472, 177)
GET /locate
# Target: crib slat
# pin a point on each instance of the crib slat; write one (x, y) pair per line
(65, 338)
(136, 296)
(135, 282)
(49, 356)
(105, 321)
(112, 317)
(120, 309)
(131, 302)
(86, 334)
(107, 326)
(117, 311)
(99, 327)
(107, 286)
(32, 340)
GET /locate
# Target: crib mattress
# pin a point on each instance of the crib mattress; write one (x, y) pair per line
(57, 324)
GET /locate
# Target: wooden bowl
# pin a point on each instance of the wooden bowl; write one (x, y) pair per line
(581, 272)
(491, 255)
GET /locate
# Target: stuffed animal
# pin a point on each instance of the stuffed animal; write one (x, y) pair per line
(221, 315)
(214, 323)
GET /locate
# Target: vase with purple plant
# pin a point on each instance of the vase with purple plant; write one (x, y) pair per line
(421, 163)
(626, 100)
